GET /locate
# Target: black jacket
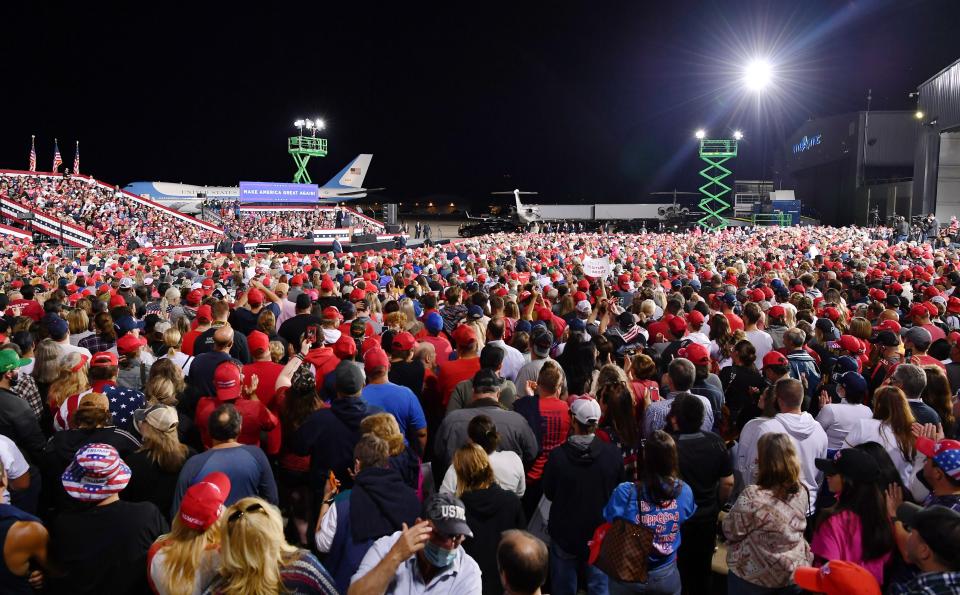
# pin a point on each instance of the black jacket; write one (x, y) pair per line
(578, 481)
(490, 512)
(18, 423)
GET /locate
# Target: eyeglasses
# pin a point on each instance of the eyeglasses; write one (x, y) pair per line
(444, 538)
(255, 507)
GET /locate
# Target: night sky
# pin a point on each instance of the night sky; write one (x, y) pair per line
(581, 101)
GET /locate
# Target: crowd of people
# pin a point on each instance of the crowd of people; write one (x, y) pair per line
(744, 411)
(283, 223)
(111, 217)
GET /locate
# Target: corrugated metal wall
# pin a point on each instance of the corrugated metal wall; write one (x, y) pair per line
(940, 103)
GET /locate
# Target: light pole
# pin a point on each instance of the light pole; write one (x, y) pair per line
(302, 148)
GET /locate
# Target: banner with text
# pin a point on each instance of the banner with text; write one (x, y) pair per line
(278, 192)
(598, 268)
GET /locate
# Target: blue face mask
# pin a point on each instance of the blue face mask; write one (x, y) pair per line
(438, 556)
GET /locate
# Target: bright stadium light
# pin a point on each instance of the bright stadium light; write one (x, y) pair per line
(701, 134)
(320, 124)
(757, 75)
(737, 135)
(918, 115)
(298, 123)
(309, 124)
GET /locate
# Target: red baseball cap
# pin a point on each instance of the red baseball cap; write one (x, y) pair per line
(331, 313)
(226, 381)
(775, 358)
(851, 344)
(832, 313)
(357, 295)
(696, 353)
(887, 325)
(326, 284)
(194, 297)
(257, 342)
(255, 296)
(117, 301)
(837, 577)
(919, 310)
(953, 305)
(202, 503)
(104, 359)
(345, 347)
(404, 341)
(130, 343)
(463, 335)
(695, 317)
(777, 312)
(204, 313)
(376, 358)
(677, 325)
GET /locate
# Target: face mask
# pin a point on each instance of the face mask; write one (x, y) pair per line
(438, 556)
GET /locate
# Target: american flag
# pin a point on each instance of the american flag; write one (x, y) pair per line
(57, 160)
(76, 159)
(33, 153)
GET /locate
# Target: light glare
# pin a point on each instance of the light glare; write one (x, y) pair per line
(918, 115)
(757, 75)
(737, 135)
(701, 134)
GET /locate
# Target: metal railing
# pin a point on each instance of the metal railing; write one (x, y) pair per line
(767, 219)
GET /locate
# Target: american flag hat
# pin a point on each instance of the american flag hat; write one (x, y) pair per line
(945, 454)
(96, 473)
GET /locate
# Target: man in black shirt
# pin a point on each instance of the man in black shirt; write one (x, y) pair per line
(205, 342)
(17, 421)
(293, 328)
(404, 370)
(102, 548)
(705, 466)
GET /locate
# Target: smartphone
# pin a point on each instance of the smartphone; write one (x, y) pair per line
(312, 332)
(907, 355)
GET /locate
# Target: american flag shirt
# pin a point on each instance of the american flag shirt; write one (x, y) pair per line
(123, 402)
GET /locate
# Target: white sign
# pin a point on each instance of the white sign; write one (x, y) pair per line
(598, 268)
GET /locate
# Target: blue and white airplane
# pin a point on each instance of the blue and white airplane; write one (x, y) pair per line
(186, 198)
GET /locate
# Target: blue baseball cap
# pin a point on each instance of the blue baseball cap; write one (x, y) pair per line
(844, 364)
(433, 322)
(125, 324)
(57, 327)
(853, 384)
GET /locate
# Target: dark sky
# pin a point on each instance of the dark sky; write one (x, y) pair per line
(582, 101)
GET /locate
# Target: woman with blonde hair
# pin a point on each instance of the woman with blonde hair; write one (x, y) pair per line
(403, 458)
(79, 325)
(764, 529)
(187, 559)
(892, 428)
(158, 461)
(256, 558)
(490, 510)
(173, 340)
(71, 381)
(46, 367)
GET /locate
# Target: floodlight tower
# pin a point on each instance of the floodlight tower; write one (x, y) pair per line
(302, 148)
(715, 152)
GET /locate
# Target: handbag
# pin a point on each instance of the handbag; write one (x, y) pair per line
(624, 549)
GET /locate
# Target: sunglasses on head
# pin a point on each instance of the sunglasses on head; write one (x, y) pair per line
(255, 507)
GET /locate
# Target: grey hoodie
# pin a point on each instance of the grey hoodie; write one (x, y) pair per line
(810, 440)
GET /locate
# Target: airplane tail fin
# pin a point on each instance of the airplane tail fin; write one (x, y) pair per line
(353, 174)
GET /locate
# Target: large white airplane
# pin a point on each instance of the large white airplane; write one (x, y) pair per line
(186, 198)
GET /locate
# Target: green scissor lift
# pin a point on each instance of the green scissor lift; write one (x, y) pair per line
(302, 148)
(715, 153)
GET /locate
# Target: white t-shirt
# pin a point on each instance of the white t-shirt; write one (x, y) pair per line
(13, 462)
(838, 419)
(762, 342)
(182, 360)
(874, 430)
(507, 469)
